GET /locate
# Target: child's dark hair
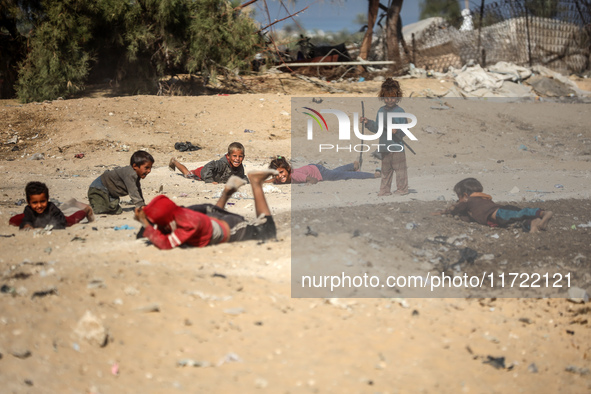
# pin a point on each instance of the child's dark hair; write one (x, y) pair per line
(280, 162)
(34, 188)
(468, 186)
(235, 146)
(390, 88)
(140, 158)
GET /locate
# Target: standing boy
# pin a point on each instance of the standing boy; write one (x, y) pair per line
(41, 212)
(104, 192)
(217, 171)
(391, 151)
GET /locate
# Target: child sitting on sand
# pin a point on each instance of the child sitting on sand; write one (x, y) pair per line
(479, 207)
(104, 191)
(167, 225)
(313, 173)
(216, 171)
(41, 212)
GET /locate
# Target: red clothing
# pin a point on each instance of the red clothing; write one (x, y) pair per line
(71, 220)
(176, 225)
(299, 175)
(197, 172)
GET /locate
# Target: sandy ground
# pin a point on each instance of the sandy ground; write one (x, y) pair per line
(222, 319)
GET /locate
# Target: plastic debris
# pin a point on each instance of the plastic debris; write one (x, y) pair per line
(497, 362)
(187, 362)
(37, 156)
(229, 358)
(522, 147)
(268, 188)
(311, 232)
(558, 186)
(79, 155)
(577, 295)
(186, 146)
(123, 227)
(248, 131)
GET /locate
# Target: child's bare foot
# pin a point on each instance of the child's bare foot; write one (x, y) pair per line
(384, 194)
(89, 213)
(541, 223)
(356, 165)
(172, 164)
(233, 184)
(258, 177)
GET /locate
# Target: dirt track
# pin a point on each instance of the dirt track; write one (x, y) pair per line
(229, 309)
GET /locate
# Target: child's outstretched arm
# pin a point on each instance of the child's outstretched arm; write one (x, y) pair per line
(311, 180)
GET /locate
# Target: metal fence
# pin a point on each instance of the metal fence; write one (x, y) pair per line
(558, 37)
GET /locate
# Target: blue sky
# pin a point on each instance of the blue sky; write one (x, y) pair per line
(334, 15)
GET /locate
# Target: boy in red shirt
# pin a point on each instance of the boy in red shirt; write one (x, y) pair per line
(167, 225)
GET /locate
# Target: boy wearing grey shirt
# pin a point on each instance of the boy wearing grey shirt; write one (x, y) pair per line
(104, 192)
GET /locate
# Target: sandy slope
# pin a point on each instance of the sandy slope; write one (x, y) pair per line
(229, 307)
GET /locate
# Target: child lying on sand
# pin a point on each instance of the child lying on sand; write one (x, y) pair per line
(479, 207)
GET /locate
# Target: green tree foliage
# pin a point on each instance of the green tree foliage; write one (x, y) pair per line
(446, 9)
(57, 63)
(16, 19)
(220, 37)
(132, 43)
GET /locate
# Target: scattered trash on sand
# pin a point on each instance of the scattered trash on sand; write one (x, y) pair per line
(187, 362)
(310, 232)
(186, 147)
(123, 227)
(497, 362)
(37, 156)
(577, 295)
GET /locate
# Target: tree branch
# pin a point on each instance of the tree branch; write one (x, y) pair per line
(282, 19)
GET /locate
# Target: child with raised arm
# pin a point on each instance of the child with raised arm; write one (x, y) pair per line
(391, 151)
(216, 171)
(104, 192)
(41, 212)
(314, 173)
(474, 205)
(167, 225)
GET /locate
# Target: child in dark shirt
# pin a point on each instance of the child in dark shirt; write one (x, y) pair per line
(479, 207)
(41, 212)
(104, 191)
(167, 225)
(216, 171)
